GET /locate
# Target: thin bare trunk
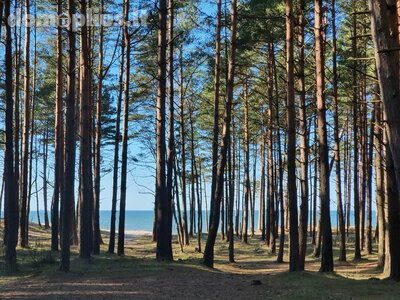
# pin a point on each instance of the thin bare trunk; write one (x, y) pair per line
(342, 233)
(111, 244)
(125, 136)
(291, 147)
(25, 140)
(217, 193)
(97, 155)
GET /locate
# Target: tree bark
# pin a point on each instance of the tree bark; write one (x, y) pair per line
(10, 185)
(392, 261)
(208, 258)
(231, 186)
(326, 230)
(171, 128)
(291, 147)
(164, 212)
(261, 212)
(379, 187)
(339, 205)
(125, 136)
(369, 158)
(97, 154)
(304, 148)
(183, 149)
(67, 195)
(86, 191)
(24, 223)
(270, 158)
(217, 71)
(111, 244)
(357, 250)
(247, 191)
(385, 33)
(59, 143)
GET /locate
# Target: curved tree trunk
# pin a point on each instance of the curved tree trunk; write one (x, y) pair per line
(217, 193)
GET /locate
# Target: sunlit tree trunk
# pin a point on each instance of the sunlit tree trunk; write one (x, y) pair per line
(164, 212)
(326, 230)
(247, 191)
(171, 128)
(379, 188)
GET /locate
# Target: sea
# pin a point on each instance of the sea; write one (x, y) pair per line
(142, 220)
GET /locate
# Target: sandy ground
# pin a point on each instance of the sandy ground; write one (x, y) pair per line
(254, 275)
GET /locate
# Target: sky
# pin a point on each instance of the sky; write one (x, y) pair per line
(140, 181)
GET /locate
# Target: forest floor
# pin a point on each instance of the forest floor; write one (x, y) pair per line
(254, 275)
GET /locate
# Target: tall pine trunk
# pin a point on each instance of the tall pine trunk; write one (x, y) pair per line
(117, 137)
(10, 185)
(326, 230)
(357, 250)
(124, 162)
(59, 143)
(217, 193)
(304, 148)
(270, 157)
(379, 188)
(24, 223)
(86, 182)
(182, 133)
(164, 209)
(67, 196)
(291, 147)
(97, 154)
(384, 27)
(247, 191)
(339, 205)
(171, 124)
